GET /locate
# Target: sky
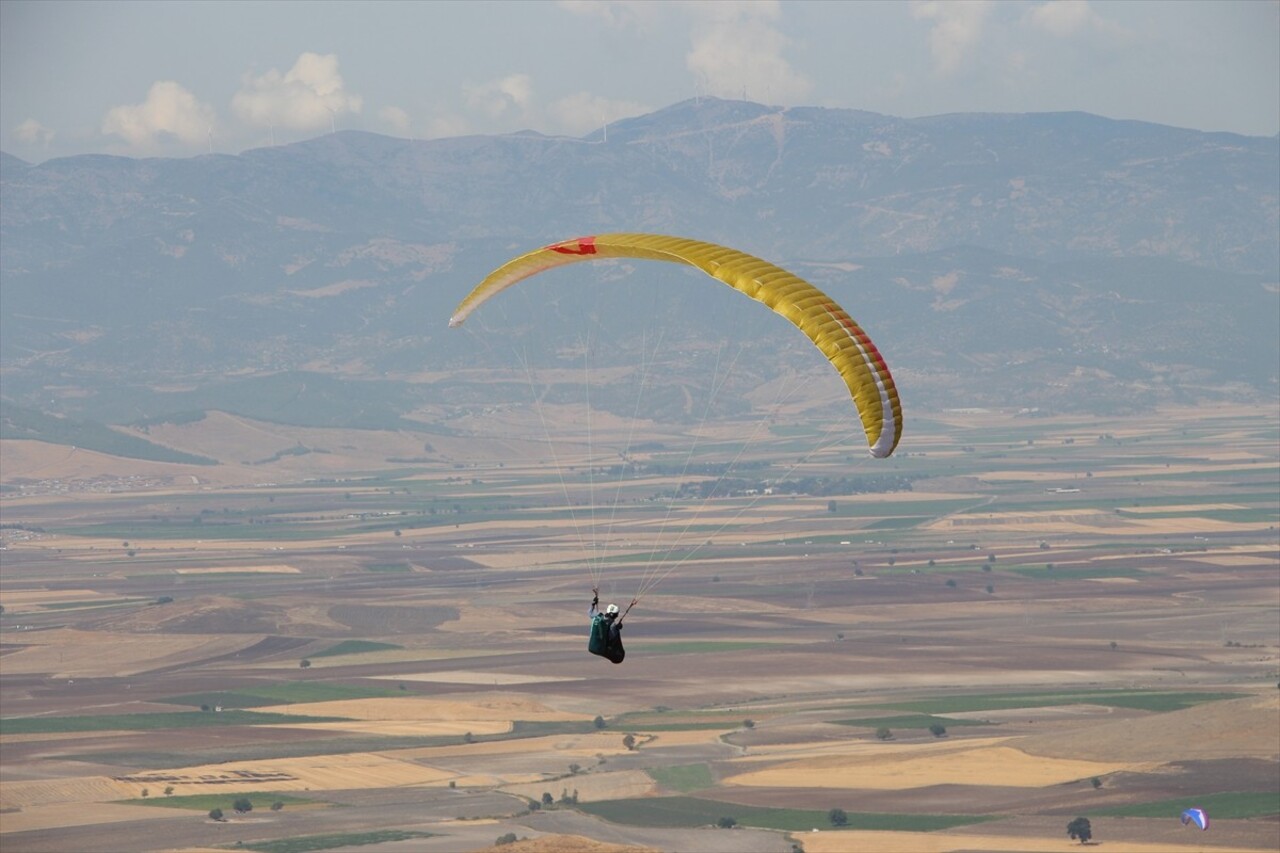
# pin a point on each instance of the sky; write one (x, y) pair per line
(187, 77)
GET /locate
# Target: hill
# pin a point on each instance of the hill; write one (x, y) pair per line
(1056, 261)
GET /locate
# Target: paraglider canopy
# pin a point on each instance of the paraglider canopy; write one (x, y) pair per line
(827, 325)
(1197, 817)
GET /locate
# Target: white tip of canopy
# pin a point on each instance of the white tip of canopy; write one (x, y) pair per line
(455, 321)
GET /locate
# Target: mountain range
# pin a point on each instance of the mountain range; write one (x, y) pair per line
(1056, 261)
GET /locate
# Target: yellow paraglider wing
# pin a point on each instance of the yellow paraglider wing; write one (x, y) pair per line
(839, 338)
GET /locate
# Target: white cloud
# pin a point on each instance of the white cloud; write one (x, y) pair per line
(957, 29)
(306, 97)
(737, 49)
(395, 118)
(504, 98)
(581, 113)
(169, 113)
(1068, 18)
(32, 132)
(449, 125)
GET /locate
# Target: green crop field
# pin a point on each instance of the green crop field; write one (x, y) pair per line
(683, 778)
(353, 647)
(911, 721)
(1139, 700)
(205, 802)
(1224, 806)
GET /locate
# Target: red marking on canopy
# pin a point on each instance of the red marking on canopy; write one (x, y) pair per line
(580, 246)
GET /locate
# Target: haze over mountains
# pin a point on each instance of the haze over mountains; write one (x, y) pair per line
(1061, 261)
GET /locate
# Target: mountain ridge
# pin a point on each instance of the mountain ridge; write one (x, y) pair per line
(1030, 246)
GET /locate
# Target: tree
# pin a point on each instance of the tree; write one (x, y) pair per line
(751, 724)
(937, 730)
(535, 806)
(598, 722)
(304, 663)
(509, 838)
(629, 741)
(574, 768)
(277, 806)
(726, 823)
(469, 738)
(145, 793)
(168, 790)
(990, 589)
(547, 799)
(242, 805)
(838, 817)
(883, 733)
(951, 582)
(1079, 828)
(215, 814)
(1096, 783)
(831, 506)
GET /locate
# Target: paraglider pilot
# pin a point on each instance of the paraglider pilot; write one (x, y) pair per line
(606, 630)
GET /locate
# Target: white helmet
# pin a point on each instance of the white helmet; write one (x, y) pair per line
(612, 610)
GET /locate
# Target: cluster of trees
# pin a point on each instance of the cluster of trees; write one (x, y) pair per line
(241, 805)
(1080, 829)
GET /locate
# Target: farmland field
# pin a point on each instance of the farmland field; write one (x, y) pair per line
(394, 651)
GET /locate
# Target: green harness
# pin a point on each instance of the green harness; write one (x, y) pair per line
(606, 638)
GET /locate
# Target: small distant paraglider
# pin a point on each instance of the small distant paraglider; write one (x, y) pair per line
(1197, 817)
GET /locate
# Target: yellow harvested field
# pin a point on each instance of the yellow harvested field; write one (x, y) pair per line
(113, 655)
(303, 773)
(20, 599)
(591, 786)
(40, 792)
(1268, 559)
(81, 814)
(941, 842)
(1243, 728)
(995, 765)
(1209, 507)
(38, 460)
